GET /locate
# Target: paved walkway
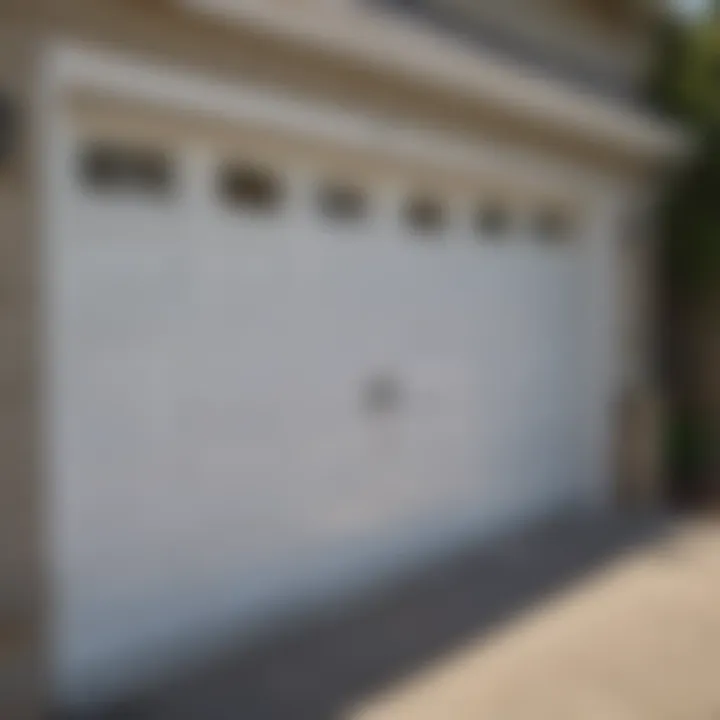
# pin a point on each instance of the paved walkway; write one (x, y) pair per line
(593, 618)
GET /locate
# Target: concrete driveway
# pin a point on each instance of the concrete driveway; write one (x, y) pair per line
(588, 618)
(637, 640)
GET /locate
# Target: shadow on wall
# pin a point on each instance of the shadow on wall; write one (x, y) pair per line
(318, 671)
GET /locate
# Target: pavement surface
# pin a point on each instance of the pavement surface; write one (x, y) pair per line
(639, 640)
(595, 617)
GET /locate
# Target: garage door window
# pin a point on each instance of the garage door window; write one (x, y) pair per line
(552, 226)
(124, 169)
(249, 188)
(425, 216)
(492, 221)
(342, 203)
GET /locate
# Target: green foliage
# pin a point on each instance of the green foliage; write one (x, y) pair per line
(691, 226)
(686, 85)
(688, 73)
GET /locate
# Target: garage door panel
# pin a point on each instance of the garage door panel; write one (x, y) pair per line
(215, 436)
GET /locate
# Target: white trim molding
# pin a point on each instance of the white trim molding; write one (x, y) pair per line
(114, 77)
(410, 51)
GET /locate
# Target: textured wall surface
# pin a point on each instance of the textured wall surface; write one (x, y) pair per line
(20, 517)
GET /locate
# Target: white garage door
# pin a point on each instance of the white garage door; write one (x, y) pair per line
(272, 380)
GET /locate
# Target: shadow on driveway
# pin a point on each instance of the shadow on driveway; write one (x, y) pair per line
(317, 671)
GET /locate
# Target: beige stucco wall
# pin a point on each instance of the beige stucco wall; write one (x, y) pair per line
(641, 410)
(573, 30)
(570, 30)
(21, 595)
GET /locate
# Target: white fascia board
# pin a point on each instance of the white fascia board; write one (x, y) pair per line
(405, 48)
(72, 68)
